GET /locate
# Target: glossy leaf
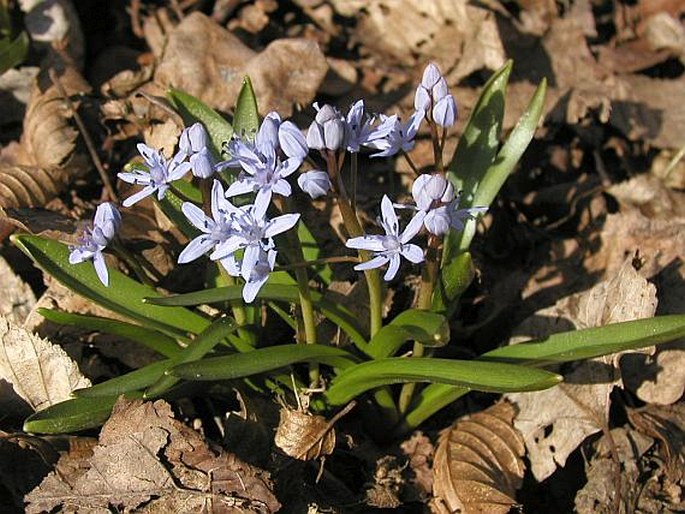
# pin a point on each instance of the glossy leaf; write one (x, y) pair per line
(312, 252)
(135, 380)
(275, 292)
(154, 340)
(192, 109)
(479, 376)
(557, 348)
(592, 342)
(456, 275)
(425, 327)
(480, 140)
(241, 365)
(71, 416)
(198, 348)
(123, 296)
(246, 115)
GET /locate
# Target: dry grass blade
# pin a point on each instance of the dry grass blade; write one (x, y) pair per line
(478, 466)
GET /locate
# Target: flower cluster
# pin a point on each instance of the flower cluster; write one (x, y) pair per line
(96, 238)
(241, 237)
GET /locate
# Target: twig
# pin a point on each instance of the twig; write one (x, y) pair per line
(86, 137)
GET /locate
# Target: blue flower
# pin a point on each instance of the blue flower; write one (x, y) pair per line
(389, 247)
(215, 230)
(263, 171)
(392, 136)
(327, 131)
(315, 183)
(95, 239)
(193, 142)
(160, 174)
(358, 127)
(429, 190)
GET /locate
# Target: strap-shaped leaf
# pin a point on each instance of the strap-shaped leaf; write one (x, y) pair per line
(154, 340)
(478, 144)
(425, 327)
(275, 292)
(123, 296)
(475, 375)
(557, 348)
(71, 416)
(592, 342)
(193, 109)
(201, 346)
(135, 380)
(241, 365)
(246, 115)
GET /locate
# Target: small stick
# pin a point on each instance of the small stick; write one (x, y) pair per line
(86, 137)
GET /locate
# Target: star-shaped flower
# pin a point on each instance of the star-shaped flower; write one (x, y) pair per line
(389, 247)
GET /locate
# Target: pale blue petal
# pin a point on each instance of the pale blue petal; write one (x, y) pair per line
(196, 248)
(389, 216)
(292, 141)
(376, 262)
(371, 243)
(392, 268)
(240, 187)
(413, 227)
(280, 224)
(282, 188)
(412, 253)
(262, 202)
(250, 260)
(101, 268)
(226, 248)
(197, 217)
(136, 197)
(134, 178)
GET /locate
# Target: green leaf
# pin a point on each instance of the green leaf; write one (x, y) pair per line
(246, 116)
(276, 292)
(312, 252)
(478, 144)
(241, 365)
(128, 382)
(425, 327)
(557, 348)
(591, 342)
(171, 206)
(154, 340)
(13, 51)
(123, 296)
(192, 109)
(201, 346)
(71, 416)
(455, 277)
(480, 376)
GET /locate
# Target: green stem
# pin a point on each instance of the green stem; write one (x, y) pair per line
(354, 229)
(429, 277)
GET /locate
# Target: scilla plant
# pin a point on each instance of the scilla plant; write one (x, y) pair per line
(229, 188)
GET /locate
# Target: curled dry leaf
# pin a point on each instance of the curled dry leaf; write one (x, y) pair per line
(478, 465)
(47, 159)
(205, 60)
(303, 436)
(34, 370)
(146, 461)
(554, 422)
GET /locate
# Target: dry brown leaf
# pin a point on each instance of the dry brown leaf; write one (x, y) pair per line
(554, 422)
(34, 370)
(419, 449)
(209, 62)
(46, 159)
(16, 297)
(148, 462)
(608, 479)
(478, 465)
(304, 436)
(459, 36)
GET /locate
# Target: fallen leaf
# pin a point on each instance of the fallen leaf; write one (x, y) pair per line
(478, 465)
(16, 297)
(205, 60)
(419, 449)
(304, 436)
(146, 461)
(610, 481)
(555, 421)
(34, 371)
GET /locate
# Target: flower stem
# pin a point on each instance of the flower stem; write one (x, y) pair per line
(354, 229)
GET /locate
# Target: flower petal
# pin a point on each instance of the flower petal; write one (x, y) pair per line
(372, 243)
(376, 262)
(101, 268)
(196, 248)
(136, 197)
(280, 224)
(392, 268)
(412, 253)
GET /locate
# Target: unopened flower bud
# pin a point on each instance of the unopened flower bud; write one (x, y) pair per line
(315, 183)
